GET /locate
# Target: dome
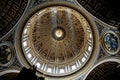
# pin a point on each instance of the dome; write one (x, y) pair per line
(57, 39)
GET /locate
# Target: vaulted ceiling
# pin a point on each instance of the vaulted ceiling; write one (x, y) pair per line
(66, 39)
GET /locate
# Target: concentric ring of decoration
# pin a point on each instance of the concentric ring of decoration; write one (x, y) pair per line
(60, 56)
(111, 42)
(45, 51)
(6, 54)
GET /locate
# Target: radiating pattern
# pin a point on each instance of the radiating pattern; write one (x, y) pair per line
(52, 48)
(58, 40)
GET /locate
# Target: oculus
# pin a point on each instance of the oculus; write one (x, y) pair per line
(57, 39)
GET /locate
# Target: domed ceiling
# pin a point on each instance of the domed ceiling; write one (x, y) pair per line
(57, 39)
(61, 39)
(10, 12)
(106, 10)
(105, 71)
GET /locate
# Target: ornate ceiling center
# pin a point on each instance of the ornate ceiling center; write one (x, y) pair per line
(58, 40)
(58, 33)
